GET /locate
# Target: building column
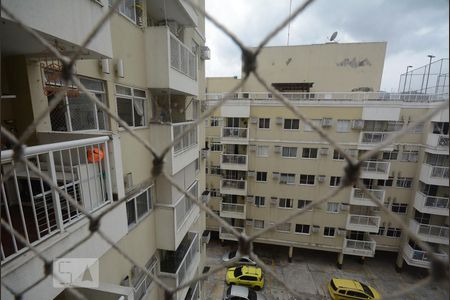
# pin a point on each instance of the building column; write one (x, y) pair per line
(340, 260)
(291, 252)
(399, 262)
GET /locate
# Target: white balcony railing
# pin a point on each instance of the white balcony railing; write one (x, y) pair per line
(435, 175)
(232, 210)
(188, 140)
(233, 187)
(419, 258)
(185, 205)
(227, 234)
(431, 204)
(430, 233)
(234, 133)
(359, 248)
(375, 169)
(437, 140)
(363, 223)
(80, 168)
(358, 197)
(373, 137)
(182, 59)
(439, 172)
(237, 159)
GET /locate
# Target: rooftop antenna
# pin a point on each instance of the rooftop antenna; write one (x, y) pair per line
(289, 24)
(333, 36)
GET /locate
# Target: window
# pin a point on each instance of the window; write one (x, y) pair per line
(258, 224)
(303, 203)
(128, 9)
(412, 156)
(302, 228)
(287, 178)
(404, 182)
(440, 127)
(390, 155)
(394, 125)
(381, 230)
(138, 206)
(400, 208)
(76, 113)
(214, 170)
(214, 121)
(262, 151)
(394, 232)
(357, 295)
(335, 180)
(214, 192)
(309, 153)
(387, 182)
(285, 203)
(285, 227)
(417, 129)
(343, 126)
(217, 147)
(307, 179)
(260, 201)
(329, 231)
(142, 281)
(264, 123)
(291, 124)
(289, 152)
(132, 106)
(316, 123)
(333, 207)
(261, 176)
(337, 155)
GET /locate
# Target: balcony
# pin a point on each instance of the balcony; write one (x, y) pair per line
(358, 197)
(430, 233)
(184, 152)
(180, 266)
(436, 175)
(233, 187)
(234, 162)
(35, 14)
(180, 11)
(375, 169)
(225, 234)
(177, 219)
(369, 140)
(419, 258)
(232, 210)
(431, 204)
(234, 135)
(438, 141)
(359, 248)
(363, 223)
(172, 64)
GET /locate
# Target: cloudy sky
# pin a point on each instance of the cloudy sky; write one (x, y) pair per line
(412, 29)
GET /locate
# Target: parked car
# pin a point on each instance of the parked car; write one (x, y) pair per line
(244, 260)
(246, 275)
(237, 292)
(344, 289)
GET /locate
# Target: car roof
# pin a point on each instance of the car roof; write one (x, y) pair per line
(348, 284)
(251, 270)
(240, 291)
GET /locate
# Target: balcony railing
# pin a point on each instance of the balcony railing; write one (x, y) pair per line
(234, 133)
(233, 187)
(182, 59)
(430, 233)
(360, 248)
(238, 159)
(227, 234)
(363, 223)
(176, 264)
(80, 168)
(232, 210)
(437, 140)
(375, 166)
(431, 204)
(360, 198)
(439, 172)
(189, 139)
(185, 205)
(419, 258)
(373, 137)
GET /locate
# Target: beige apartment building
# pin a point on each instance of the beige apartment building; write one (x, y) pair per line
(147, 65)
(264, 163)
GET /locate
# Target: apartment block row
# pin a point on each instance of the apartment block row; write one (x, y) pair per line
(146, 64)
(265, 164)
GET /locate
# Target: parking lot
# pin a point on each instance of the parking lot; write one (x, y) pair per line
(310, 271)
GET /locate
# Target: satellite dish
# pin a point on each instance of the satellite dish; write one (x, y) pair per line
(333, 36)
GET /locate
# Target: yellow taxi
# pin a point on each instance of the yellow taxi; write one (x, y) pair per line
(246, 275)
(346, 289)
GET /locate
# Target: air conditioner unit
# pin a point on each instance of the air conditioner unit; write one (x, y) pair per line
(251, 173)
(279, 121)
(249, 222)
(254, 120)
(321, 178)
(276, 175)
(357, 124)
(345, 206)
(204, 153)
(277, 149)
(323, 151)
(250, 199)
(206, 196)
(252, 147)
(327, 122)
(205, 53)
(315, 228)
(273, 200)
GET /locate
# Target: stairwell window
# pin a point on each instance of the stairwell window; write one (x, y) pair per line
(132, 105)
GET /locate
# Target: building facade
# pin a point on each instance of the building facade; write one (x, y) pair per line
(146, 64)
(265, 163)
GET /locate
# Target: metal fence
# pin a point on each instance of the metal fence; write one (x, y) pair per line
(181, 139)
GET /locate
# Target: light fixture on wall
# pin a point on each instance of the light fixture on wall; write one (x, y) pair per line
(119, 68)
(105, 65)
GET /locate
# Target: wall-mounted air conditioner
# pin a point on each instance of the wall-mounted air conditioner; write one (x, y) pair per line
(253, 120)
(277, 149)
(357, 124)
(323, 151)
(315, 228)
(321, 178)
(279, 121)
(327, 122)
(252, 147)
(251, 173)
(275, 175)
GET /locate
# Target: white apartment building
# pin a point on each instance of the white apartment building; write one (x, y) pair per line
(146, 64)
(264, 163)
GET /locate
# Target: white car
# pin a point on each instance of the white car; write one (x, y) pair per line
(244, 260)
(237, 292)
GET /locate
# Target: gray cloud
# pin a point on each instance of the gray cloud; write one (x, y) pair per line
(413, 29)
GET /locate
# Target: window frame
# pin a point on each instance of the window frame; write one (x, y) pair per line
(309, 153)
(404, 182)
(335, 206)
(258, 150)
(335, 181)
(132, 97)
(265, 123)
(302, 231)
(277, 227)
(290, 151)
(399, 208)
(395, 232)
(288, 203)
(307, 128)
(327, 228)
(215, 146)
(306, 202)
(262, 174)
(150, 204)
(287, 177)
(308, 177)
(263, 198)
(340, 129)
(257, 220)
(291, 123)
